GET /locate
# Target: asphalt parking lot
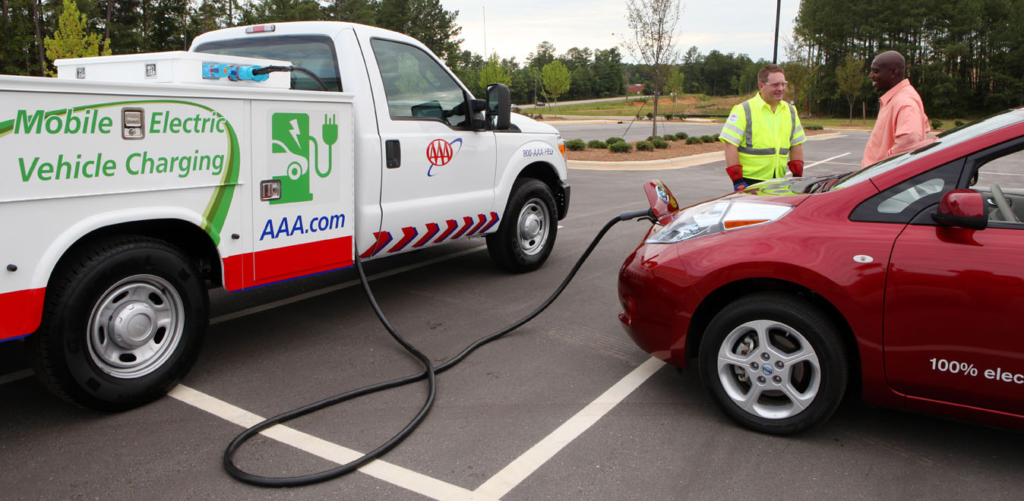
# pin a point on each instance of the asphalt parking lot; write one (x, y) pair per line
(564, 408)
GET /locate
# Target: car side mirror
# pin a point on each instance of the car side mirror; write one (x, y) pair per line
(962, 208)
(499, 100)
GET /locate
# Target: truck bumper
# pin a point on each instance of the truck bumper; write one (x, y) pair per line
(562, 200)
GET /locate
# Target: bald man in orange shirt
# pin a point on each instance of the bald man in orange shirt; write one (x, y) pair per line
(901, 124)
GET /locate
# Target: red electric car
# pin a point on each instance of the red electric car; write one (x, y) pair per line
(904, 279)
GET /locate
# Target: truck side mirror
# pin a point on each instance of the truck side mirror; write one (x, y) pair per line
(499, 102)
(963, 208)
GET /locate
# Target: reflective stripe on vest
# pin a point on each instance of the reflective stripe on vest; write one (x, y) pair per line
(748, 135)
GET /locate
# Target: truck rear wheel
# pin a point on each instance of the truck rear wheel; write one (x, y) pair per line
(528, 229)
(123, 323)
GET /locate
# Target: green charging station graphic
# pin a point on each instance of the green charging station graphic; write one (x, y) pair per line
(291, 145)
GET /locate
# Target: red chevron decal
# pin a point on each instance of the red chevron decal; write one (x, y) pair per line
(432, 230)
(408, 233)
(478, 225)
(494, 219)
(451, 227)
(468, 221)
(383, 239)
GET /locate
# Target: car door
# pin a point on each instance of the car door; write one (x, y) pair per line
(437, 183)
(954, 297)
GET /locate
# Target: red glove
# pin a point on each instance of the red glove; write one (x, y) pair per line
(796, 167)
(736, 175)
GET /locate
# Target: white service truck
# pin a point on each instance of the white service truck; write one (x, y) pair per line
(130, 185)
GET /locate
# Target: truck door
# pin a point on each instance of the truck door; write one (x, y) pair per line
(303, 189)
(438, 176)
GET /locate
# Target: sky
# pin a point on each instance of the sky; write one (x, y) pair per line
(516, 27)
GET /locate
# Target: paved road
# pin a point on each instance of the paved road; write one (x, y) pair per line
(626, 427)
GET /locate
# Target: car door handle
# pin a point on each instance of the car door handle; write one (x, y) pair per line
(393, 152)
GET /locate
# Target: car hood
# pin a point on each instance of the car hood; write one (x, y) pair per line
(531, 126)
(787, 187)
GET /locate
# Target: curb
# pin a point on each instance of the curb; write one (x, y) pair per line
(664, 164)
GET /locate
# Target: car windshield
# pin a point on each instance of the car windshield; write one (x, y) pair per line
(932, 145)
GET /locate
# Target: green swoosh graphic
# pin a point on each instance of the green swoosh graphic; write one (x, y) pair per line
(217, 208)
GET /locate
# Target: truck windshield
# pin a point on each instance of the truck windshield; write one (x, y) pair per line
(315, 53)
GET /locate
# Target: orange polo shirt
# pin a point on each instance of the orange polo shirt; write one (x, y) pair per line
(901, 124)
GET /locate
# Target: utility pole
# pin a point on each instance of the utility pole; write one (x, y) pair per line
(778, 13)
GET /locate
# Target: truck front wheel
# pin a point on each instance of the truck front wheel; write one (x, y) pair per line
(123, 323)
(527, 231)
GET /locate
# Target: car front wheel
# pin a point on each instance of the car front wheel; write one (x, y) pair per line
(774, 363)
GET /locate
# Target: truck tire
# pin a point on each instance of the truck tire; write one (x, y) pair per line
(123, 323)
(528, 229)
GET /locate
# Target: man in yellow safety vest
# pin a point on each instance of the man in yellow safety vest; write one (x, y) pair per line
(762, 132)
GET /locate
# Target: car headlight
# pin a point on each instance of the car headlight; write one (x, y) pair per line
(716, 217)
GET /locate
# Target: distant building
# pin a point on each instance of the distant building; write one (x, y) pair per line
(635, 89)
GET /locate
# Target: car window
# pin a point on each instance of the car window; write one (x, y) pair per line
(932, 146)
(1001, 177)
(315, 53)
(900, 203)
(417, 86)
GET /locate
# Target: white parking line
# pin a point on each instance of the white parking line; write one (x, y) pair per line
(827, 160)
(493, 489)
(15, 376)
(407, 479)
(517, 471)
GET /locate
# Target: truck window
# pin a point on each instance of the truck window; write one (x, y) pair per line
(417, 87)
(315, 53)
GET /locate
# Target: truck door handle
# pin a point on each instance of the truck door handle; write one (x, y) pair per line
(393, 150)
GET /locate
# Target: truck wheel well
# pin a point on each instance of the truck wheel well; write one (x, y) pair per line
(546, 173)
(193, 241)
(720, 298)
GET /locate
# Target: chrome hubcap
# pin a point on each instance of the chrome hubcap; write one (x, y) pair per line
(135, 326)
(533, 227)
(769, 369)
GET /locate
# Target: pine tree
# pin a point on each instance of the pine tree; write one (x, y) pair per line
(71, 39)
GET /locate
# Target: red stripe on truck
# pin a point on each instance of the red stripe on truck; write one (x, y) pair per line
(22, 311)
(275, 265)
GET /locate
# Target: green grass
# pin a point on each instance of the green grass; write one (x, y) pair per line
(704, 105)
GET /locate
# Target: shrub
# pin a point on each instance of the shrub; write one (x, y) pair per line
(576, 145)
(958, 122)
(539, 116)
(650, 116)
(659, 143)
(668, 116)
(681, 116)
(614, 139)
(682, 135)
(620, 147)
(669, 137)
(707, 139)
(715, 137)
(597, 143)
(813, 127)
(644, 146)
(693, 140)
(936, 123)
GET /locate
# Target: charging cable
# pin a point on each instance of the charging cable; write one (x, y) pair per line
(429, 372)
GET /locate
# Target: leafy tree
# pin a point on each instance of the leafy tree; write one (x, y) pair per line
(850, 77)
(494, 73)
(545, 55)
(653, 23)
(352, 11)
(674, 84)
(424, 20)
(608, 76)
(556, 80)
(71, 39)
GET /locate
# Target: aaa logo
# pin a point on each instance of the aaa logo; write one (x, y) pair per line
(440, 152)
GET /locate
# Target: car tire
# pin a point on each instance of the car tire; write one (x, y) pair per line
(774, 363)
(528, 228)
(123, 323)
